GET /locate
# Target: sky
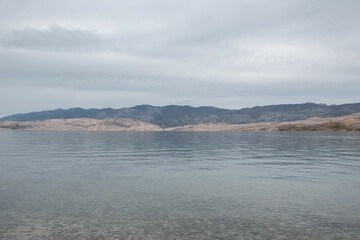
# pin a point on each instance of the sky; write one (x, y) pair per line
(224, 53)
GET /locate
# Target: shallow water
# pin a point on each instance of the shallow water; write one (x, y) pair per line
(173, 185)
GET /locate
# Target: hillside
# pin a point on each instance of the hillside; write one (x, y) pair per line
(175, 116)
(345, 123)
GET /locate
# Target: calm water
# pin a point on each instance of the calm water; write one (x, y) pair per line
(81, 185)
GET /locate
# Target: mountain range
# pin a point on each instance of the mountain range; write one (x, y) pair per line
(176, 116)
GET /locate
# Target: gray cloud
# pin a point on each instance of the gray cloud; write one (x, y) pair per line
(225, 53)
(52, 38)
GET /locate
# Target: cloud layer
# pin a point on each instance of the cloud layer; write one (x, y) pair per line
(225, 53)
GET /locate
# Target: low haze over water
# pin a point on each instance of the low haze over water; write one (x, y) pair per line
(172, 185)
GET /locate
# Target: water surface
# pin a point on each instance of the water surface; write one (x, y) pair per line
(173, 185)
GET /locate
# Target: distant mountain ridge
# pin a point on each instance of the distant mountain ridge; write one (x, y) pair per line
(175, 115)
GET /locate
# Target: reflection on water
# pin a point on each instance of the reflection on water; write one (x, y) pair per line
(83, 185)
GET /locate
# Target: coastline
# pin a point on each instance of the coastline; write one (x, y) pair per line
(345, 123)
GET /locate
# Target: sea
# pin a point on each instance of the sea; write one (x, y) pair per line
(179, 185)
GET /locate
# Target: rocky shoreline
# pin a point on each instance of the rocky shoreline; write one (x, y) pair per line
(345, 123)
(81, 124)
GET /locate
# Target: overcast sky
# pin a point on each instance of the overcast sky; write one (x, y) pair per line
(224, 53)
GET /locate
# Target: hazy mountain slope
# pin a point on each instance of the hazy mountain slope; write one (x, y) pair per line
(174, 115)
